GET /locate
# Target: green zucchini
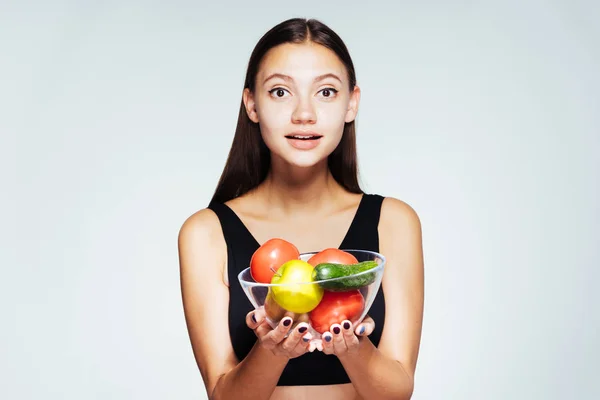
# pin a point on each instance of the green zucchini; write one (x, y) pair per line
(325, 271)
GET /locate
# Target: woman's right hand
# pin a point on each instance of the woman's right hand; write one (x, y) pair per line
(297, 343)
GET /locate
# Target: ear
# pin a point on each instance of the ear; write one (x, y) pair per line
(249, 103)
(353, 104)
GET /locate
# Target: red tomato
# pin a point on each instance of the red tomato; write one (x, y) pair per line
(332, 255)
(269, 257)
(336, 307)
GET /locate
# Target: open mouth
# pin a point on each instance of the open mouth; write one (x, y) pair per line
(304, 137)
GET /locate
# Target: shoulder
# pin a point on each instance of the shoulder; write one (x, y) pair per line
(204, 222)
(201, 232)
(398, 217)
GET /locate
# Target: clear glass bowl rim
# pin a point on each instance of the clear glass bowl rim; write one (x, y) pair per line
(370, 271)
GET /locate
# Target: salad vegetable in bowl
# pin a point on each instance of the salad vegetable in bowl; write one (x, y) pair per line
(319, 288)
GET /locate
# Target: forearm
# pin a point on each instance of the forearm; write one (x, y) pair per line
(254, 378)
(376, 376)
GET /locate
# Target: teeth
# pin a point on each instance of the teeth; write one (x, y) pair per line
(303, 137)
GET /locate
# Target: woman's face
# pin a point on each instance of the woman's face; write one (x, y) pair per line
(301, 102)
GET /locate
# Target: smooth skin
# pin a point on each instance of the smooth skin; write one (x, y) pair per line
(301, 202)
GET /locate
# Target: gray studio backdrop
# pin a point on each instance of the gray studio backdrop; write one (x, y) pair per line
(484, 116)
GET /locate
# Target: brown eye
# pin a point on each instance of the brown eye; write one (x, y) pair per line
(278, 92)
(328, 92)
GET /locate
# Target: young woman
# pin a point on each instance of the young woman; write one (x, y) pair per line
(292, 174)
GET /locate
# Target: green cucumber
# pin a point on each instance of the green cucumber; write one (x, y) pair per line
(325, 271)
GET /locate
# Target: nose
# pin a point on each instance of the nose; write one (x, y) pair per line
(304, 113)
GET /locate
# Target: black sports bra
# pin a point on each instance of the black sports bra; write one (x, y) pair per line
(316, 368)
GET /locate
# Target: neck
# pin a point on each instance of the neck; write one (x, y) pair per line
(290, 189)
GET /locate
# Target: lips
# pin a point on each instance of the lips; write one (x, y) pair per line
(304, 140)
(304, 136)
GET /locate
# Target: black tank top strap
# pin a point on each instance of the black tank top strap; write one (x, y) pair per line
(363, 232)
(224, 218)
(240, 242)
(230, 223)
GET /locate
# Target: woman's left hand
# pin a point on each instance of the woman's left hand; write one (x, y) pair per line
(344, 339)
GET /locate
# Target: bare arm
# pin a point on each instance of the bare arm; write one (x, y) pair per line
(254, 378)
(387, 372)
(202, 258)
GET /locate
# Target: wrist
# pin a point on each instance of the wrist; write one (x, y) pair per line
(273, 357)
(364, 352)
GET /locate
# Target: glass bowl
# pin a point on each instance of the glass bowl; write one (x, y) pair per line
(319, 303)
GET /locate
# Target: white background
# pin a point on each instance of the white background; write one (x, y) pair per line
(484, 116)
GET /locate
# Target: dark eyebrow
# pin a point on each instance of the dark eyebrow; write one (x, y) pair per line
(290, 79)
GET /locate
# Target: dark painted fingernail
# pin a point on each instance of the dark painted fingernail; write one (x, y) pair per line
(362, 330)
(254, 318)
(327, 338)
(346, 325)
(287, 322)
(336, 330)
(305, 339)
(302, 329)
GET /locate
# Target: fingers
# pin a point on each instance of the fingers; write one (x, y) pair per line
(341, 339)
(295, 344)
(278, 334)
(297, 341)
(272, 337)
(255, 318)
(327, 343)
(366, 327)
(265, 328)
(339, 343)
(333, 340)
(301, 337)
(349, 337)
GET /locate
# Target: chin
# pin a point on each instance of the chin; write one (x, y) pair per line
(306, 159)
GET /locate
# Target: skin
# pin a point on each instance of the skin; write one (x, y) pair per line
(298, 195)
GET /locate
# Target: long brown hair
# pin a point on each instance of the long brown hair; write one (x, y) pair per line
(249, 158)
